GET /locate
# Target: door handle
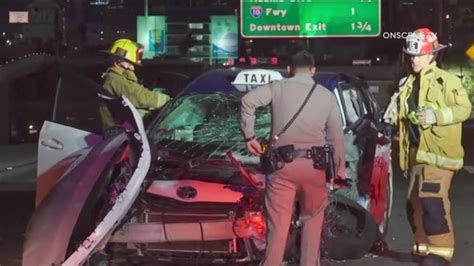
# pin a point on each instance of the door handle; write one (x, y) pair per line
(53, 144)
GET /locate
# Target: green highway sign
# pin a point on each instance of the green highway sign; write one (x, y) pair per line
(310, 18)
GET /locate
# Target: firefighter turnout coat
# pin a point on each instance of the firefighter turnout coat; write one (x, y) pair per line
(439, 144)
(120, 82)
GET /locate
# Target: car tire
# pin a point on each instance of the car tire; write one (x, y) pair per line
(349, 231)
(292, 245)
(99, 258)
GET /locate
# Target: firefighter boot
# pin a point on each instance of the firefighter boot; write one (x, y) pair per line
(434, 253)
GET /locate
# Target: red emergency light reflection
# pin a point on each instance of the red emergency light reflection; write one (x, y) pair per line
(230, 62)
(273, 60)
(253, 61)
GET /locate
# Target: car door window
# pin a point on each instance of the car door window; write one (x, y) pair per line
(30, 100)
(77, 103)
(353, 103)
(374, 106)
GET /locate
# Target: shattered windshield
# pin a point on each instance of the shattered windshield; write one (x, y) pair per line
(208, 125)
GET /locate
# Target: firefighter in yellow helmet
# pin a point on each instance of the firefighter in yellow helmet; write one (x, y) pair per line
(120, 79)
(432, 105)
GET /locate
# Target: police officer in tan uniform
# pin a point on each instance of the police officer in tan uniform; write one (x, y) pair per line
(318, 123)
(120, 79)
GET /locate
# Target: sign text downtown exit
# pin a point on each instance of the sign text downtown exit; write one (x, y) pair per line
(310, 18)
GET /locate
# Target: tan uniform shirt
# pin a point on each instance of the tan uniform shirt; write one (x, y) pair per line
(317, 124)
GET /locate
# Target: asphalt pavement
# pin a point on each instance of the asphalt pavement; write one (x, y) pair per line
(18, 167)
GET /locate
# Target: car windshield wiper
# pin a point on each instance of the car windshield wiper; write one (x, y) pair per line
(241, 169)
(184, 158)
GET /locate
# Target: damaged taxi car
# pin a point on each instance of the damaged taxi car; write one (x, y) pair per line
(183, 187)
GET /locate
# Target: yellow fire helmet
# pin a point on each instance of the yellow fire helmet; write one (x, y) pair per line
(128, 50)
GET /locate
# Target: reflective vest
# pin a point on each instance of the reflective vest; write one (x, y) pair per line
(440, 144)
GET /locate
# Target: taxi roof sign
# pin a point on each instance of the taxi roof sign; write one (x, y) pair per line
(256, 77)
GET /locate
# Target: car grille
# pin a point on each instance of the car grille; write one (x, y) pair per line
(162, 209)
(167, 210)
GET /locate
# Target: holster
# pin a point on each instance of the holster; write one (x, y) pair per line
(323, 158)
(274, 159)
(286, 153)
(318, 154)
(270, 161)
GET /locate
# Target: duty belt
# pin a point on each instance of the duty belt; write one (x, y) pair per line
(322, 157)
(303, 153)
(288, 153)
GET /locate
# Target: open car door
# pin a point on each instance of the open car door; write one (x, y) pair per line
(73, 128)
(371, 148)
(76, 214)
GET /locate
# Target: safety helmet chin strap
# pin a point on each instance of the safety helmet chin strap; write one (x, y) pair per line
(125, 64)
(115, 60)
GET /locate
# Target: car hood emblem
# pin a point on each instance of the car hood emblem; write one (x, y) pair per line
(186, 192)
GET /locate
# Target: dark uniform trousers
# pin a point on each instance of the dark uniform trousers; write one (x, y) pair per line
(297, 179)
(428, 206)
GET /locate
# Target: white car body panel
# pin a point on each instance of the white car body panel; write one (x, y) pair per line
(57, 141)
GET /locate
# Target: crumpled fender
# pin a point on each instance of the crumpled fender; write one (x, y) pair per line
(51, 226)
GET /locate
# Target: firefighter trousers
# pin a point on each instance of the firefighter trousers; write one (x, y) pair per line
(428, 207)
(300, 180)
